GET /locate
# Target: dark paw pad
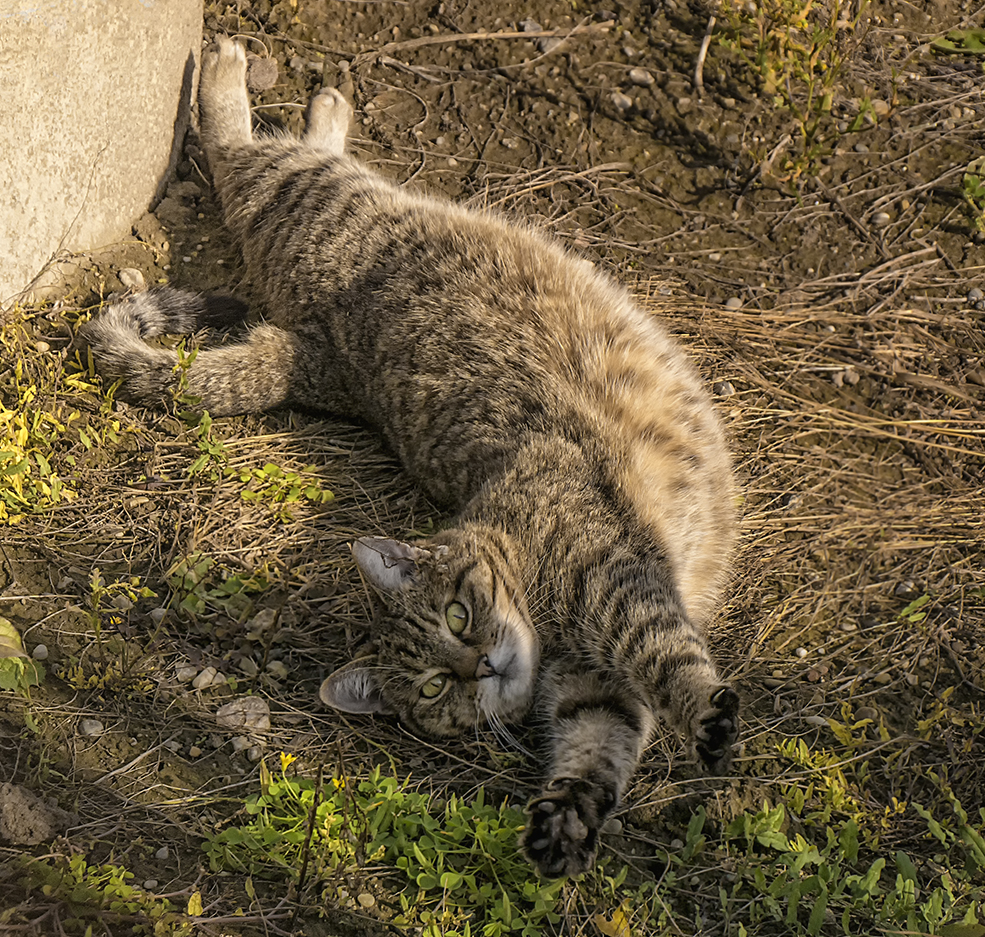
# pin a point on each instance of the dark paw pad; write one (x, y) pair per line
(718, 728)
(563, 826)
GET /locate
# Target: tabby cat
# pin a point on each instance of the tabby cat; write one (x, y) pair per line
(522, 389)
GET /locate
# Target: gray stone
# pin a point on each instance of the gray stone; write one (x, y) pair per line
(91, 727)
(249, 712)
(132, 279)
(96, 103)
(26, 820)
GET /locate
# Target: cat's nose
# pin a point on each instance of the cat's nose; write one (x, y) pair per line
(484, 668)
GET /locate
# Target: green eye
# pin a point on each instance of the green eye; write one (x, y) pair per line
(434, 686)
(457, 617)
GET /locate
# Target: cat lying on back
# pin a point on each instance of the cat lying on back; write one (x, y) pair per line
(523, 390)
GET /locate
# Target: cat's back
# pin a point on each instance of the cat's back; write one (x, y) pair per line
(460, 330)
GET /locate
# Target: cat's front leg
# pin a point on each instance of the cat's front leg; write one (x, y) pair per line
(598, 731)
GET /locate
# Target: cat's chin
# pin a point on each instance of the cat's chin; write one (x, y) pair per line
(507, 695)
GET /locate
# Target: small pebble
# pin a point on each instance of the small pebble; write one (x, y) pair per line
(162, 853)
(40, 652)
(194, 752)
(883, 678)
(240, 743)
(173, 745)
(156, 615)
(715, 257)
(733, 302)
(186, 259)
(912, 679)
(186, 674)
(641, 77)
(151, 884)
(42, 346)
(612, 826)
(623, 102)
(975, 295)
(366, 900)
(801, 652)
(880, 219)
(723, 389)
(866, 712)
(813, 676)
(132, 279)
(250, 712)
(91, 727)
(861, 148)
(880, 107)
(778, 674)
(676, 844)
(816, 721)
(205, 678)
(907, 589)
(848, 627)
(254, 753)
(452, 162)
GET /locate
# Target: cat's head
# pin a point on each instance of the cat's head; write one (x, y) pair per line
(454, 644)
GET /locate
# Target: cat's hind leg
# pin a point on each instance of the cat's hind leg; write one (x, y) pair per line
(224, 108)
(327, 124)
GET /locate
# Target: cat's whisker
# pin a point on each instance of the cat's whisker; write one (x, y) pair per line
(505, 736)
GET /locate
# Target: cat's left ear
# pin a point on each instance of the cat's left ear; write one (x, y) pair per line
(354, 688)
(389, 565)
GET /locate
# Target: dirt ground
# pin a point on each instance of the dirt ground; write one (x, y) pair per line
(835, 304)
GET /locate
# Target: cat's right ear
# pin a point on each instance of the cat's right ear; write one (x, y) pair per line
(389, 565)
(354, 688)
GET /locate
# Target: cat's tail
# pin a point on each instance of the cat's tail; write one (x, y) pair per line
(243, 377)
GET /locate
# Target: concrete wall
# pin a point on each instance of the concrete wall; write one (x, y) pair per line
(95, 103)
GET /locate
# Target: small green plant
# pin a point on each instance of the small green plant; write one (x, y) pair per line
(459, 859)
(270, 484)
(973, 192)
(200, 585)
(832, 886)
(94, 896)
(28, 434)
(17, 671)
(795, 48)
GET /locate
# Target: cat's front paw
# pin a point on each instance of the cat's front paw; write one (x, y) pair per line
(563, 825)
(717, 730)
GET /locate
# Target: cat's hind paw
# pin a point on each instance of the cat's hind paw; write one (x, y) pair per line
(563, 824)
(329, 115)
(717, 730)
(224, 66)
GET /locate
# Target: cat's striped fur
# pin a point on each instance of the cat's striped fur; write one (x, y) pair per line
(521, 388)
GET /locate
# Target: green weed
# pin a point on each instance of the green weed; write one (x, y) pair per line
(17, 671)
(795, 48)
(973, 193)
(29, 434)
(200, 585)
(459, 859)
(271, 484)
(94, 896)
(831, 884)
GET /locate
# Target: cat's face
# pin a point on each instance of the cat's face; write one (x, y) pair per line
(454, 644)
